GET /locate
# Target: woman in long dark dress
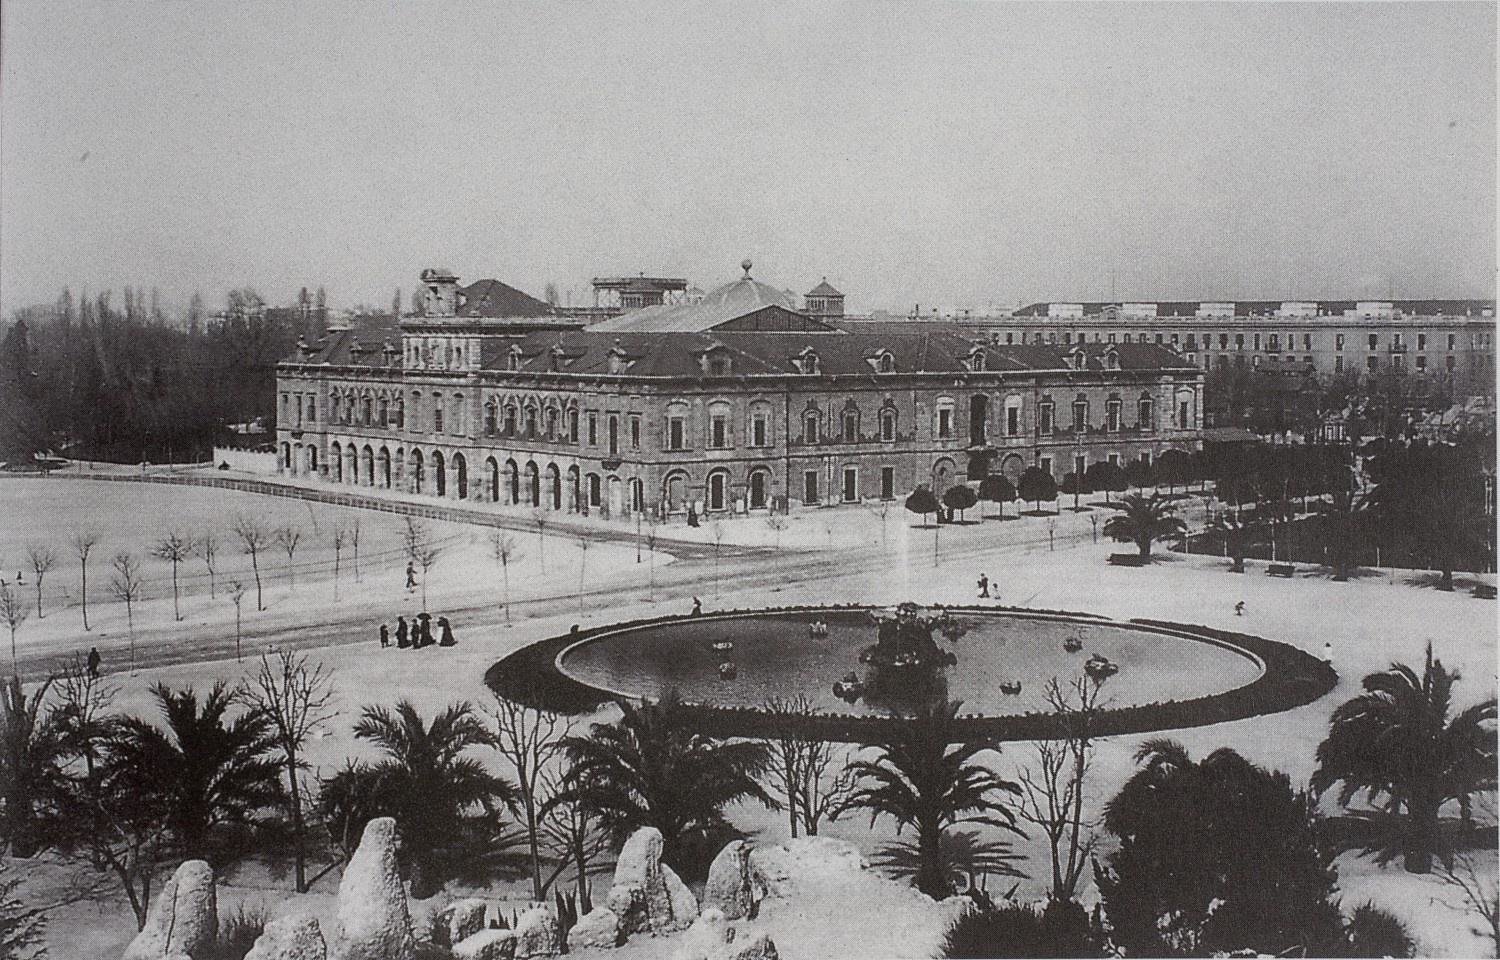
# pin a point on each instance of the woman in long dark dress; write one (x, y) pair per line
(401, 633)
(445, 633)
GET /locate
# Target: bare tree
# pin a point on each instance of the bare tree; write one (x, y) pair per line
(583, 556)
(126, 585)
(541, 520)
(421, 551)
(84, 701)
(354, 543)
(13, 613)
(288, 537)
(504, 549)
(296, 697)
(237, 595)
(809, 778)
(778, 523)
(43, 558)
(1053, 793)
(1480, 892)
(254, 536)
(340, 537)
(526, 739)
(571, 831)
(206, 545)
(83, 544)
(174, 548)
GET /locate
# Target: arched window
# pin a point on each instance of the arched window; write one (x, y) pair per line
(887, 363)
(1145, 414)
(491, 419)
(810, 427)
(368, 411)
(888, 424)
(531, 422)
(851, 426)
(385, 412)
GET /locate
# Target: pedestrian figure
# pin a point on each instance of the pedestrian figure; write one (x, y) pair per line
(94, 661)
(385, 636)
(1328, 652)
(1239, 609)
(411, 576)
(426, 619)
(984, 587)
(692, 516)
(445, 633)
(697, 607)
(994, 589)
(401, 642)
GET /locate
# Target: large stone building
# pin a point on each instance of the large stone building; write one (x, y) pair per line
(1448, 341)
(738, 400)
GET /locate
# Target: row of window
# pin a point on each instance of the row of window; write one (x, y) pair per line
(1256, 341)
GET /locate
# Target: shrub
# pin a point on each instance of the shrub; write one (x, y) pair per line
(1375, 933)
(1061, 929)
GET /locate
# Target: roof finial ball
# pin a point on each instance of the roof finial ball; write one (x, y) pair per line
(745, 266)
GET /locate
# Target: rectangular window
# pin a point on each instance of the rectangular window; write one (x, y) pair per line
(945, 423)
(718, 433)
(1257, 341)
(1192, 341)
(614, 434)
(676, 440)
(1421, 363)
(1374, 341)
(851, 428)
(1160, 339)
(1338, 341)
(758, 431)
(312, 409)
(888, 425)
(809, 429)
(1307, 341)
(437, 416)
(572, 426)
(887, 483)
(593, 429)
(1452, 341)
(1112, 416)
(1421, 341)
(1010, 339)
(635, 431)
(1046, 465)
(1223, 341)
(1338, 364)
(851, 484)
(1012, 421)
(1452, 363)
(1067, 338)
(810, 486)
(1111, 337)
(1080, 416)
(1239, 341)
(1372, 364)
(1044, 416)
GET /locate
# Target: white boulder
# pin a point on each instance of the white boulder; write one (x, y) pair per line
(756, 947)
(667, 902)
(458, 921)
(184, 919)
(706, 938)
(486, 945)
(372, 920)
(599, 927)
(537, 933)
(290, 938)
(731, 883)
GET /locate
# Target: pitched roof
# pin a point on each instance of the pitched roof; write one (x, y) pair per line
(729, 302)
(824, 289)
(491, 298)
(370, 334)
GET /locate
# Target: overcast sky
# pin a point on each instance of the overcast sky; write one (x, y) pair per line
(947, 154)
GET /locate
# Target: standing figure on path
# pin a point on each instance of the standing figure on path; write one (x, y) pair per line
(1239, 609)
(411, 576)
(445, 633)
(697, 607)
(1328, 652)
(984, 587)
(426, 620)
(994, 589)
(94, 661)
(385, 636)
(401, 642)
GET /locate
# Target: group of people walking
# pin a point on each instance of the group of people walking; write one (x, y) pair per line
(418, 633)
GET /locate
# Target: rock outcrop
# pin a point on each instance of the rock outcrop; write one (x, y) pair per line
(458, 921)
(598, 928)
(372, 918)
(184, 920)
(537, 933)
(290, 938)
(487, 945)
(757, 946)
(708, 937)
(731, 886)
(647, 895)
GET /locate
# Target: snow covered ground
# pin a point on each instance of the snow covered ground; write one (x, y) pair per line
(1370, 621)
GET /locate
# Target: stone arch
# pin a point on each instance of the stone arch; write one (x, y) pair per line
(461, 475)
(513, 478)
(336, 461)
(286, 456)
(351, 464)
(554, 486)
(533, 484)
(439, 474)
(1012, 467)
(575, 489)
(312, 458)
(614, 496)
(943, 473)
(369, 459)
(674, 492)
(758, 488)
(595, 490)
(418, 470)
(716, 491)
(492, 478)
(385, 467)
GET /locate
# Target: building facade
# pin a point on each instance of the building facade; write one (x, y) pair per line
(737, 402)
(1449, 341)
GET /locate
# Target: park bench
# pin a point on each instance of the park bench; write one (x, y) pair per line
(1127, 560)
(1484, 591)
(1281, 570)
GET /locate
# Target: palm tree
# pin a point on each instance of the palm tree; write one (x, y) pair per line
(921, 778)
(206, 773)
(1143, 521)
(1397, 744)
(654, 769)
(446, 804)
(30, 748)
